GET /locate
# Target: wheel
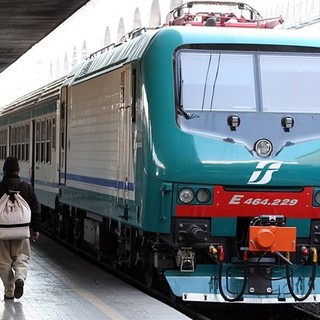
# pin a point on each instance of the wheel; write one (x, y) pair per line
(150, 271)
(149, 276)
(114, 263)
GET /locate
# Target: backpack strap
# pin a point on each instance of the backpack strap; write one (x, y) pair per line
(9, 191)
(4, 187)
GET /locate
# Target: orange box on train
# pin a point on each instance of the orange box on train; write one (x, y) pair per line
(272, 238)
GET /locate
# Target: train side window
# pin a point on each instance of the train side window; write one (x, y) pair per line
(53, 134)
(11, 142)
(19, 143)
(134, 95)
(43, 140)
(62, 125)
(14, 141)
(16, 133)
(3, 143)
(27, 141)
(23, 143)
(48, 141)
(38, 141)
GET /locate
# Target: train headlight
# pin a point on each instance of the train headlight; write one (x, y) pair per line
(263, 148)
(317, 197)
(287, 123)
(203, 195)
(186, 195)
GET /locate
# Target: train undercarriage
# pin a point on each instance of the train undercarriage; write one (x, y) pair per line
(198, 267)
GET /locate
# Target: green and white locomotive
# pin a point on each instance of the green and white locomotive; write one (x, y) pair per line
(190, 151)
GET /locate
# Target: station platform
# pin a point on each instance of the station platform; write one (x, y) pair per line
(63, 286)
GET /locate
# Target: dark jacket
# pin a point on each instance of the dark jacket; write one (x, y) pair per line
(13, 182)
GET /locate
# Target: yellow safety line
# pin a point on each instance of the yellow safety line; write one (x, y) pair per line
(101, 305)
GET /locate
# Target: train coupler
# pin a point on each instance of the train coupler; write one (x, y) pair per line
(185, 259)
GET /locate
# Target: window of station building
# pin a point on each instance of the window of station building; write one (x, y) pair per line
(3, 143)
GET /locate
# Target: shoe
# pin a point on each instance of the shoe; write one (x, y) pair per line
(18, 290)
(8, 298)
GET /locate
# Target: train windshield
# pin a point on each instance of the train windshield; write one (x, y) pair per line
(247, 81)
(290, 83)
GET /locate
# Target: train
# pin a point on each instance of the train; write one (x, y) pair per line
(188, 152)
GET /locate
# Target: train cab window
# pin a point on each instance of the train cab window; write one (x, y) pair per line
(215, 81)
(282, 72)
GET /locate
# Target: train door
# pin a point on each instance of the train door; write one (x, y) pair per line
(63, 136)
(124, 157)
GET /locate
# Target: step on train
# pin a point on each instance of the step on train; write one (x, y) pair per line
(189, 151)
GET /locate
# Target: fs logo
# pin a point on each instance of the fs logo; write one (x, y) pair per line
(264, 171)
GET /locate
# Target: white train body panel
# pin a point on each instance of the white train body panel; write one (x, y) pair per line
(99, 156)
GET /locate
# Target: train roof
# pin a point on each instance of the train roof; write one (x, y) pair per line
(135, 48)
(113, 57)
(36, 97)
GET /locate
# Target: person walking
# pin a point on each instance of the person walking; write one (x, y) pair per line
(15, 254)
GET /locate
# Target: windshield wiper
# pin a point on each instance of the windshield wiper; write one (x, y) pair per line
(185, 114)
(205, 84)
(179, 105)
(215, 82)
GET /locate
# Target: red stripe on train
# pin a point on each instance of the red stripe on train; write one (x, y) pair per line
(247, 204)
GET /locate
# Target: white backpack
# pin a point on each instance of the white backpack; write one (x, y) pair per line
(15, 217)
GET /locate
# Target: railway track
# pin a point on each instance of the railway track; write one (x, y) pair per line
(261, 312)
(311, 310)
